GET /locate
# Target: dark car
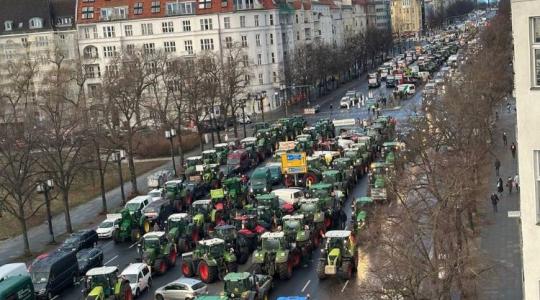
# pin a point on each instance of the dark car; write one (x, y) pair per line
(260, 181)
(275, 173)
(158, 211)
(53, 272)
(89, 258)
(87, 238)
(239, 161)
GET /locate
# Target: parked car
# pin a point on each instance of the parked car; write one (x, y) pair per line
(106, 228)
(52, 272)
(139, 277)
(86, 238)
(180, 289)
(88, 259)
(156, 194)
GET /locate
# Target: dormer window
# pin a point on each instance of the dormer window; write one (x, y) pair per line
(63, 21)
(36, 23)
(8, 25)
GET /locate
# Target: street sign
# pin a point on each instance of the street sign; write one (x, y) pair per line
(514, 214)
(293, 163)
(309, 111)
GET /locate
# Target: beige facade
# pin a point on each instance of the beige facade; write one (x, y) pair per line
(406, 16)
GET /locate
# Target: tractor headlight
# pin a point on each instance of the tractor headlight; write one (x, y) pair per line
(282, 254)
(265, 189)
(293, 245)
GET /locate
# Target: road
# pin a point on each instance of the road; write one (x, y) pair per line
(304, 279)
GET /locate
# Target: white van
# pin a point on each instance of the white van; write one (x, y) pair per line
(12, 270)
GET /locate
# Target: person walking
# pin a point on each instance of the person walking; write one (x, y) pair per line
(500, 188)
(513, 149)
(516, 183)
(494, 201)
(497, 166)
(509, 184)
(505, 139)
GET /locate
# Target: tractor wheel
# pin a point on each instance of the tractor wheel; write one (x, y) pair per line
(285, 270)
(171, 260)
(116, 236)
(311, 178)
(146, 226)
(297, 258)
(232, 267)
(187, 269)
(125, 292)
(195, 236)
(208, 274)
(320, 270)
(161, 266)
(182, 245)
(135, 235)
(347, 270)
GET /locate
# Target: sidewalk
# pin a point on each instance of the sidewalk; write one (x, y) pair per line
(87, 215)
(500, 239)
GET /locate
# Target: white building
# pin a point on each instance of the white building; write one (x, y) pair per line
(526, 31)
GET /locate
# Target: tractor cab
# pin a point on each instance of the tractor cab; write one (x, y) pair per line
(191, 164)
(333, 177)
(311, 131)
(269, 200)
(103, 282)
(346, 166)
(326, 157)
(291, 225)
(218, 199)
(261, 125)
(328, 145)
(390, 150)
(153, 240)
(312, 210)
(239, 285)
(339, 256)
(178, 220)
(273, 241)
(210, 157)
(248, 225)
(227, 233)
(222, 149)
(213, 247)
(249, 142)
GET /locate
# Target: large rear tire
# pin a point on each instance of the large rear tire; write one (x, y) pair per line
(208, 274)
(187, 269)
(347, 270)
(232, 267)
(125, 292)
(181, 245)
(171, 259)
(161, 266)
(116, 236)
(320, 270)
(285, 270)
(135, 235)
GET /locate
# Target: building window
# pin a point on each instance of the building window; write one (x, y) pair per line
(207, 44)
(108, 32)
(227, 22)
(228, 42)
(224, 3)
(271, 39)
(167, 26)
(258, 40)
(256, 20)
(203, 4)
(90, 52)
(88, 12)
(180, 8)
(244, 41)
(245, 60)
(128, 29)
(42, 41)
(273, 56)
(259, 59)
(138, 8)
(109, 51)
(298, 35)
(536, 50)
(169, 47)
(188, 46)
(271, 20)
(247, 79)
(206, 24)
(296, 19)
(92, 71)
(149, 48)
(187, 25)
(130, 49)
(8, 25)
(147, 29)
(261, 80)
(36, 23)
(274, 77)
(111, 70)
(156, 7)
(93, 91)
(242, 21)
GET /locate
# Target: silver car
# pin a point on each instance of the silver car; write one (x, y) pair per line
(180, 289)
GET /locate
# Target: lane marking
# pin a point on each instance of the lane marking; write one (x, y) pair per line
(107, 244)
(305, 286)
(133, 244)
(55, 297)
(115, 257)
(345, 286)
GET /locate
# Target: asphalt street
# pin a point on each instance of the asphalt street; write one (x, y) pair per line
(304, 279)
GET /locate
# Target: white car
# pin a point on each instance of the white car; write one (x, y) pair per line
(345, 102)
(156, 194)
(289, 195)
(407, 88)
(138, 203)
(139, 277)
(107, 227)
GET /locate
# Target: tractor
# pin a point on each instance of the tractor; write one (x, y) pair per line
(305, 144)
(256, 152)
(301, 238)
(132, 225)
(288, 128)
(219, 200)
(249, 229)
(178, 195)
(205, 216)
(298, 123)
(337, 179)
(103, 283)
(377, 189)
(210, 261)
(191, 163)
(272, 257)
(260, 125)
(325, 128)
(242, 247)
(346, 167)
(235, 191)
(265, 216)
(340, 255)
(314, 217)
(268, 136)
(241, 286)
(389, 152)
(157, 251)
(271, 203)
(210, 157)
(277, 133)
(359, 212)
(330, 201)
(359, 164)
(182, 231)
(222, 150)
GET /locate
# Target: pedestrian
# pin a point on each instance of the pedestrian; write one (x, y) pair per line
(516, 182)
(497, 166)
(494, 201)
(513, 149)
(509, 184)
(226, 137)
(505, 139)
(500, 187)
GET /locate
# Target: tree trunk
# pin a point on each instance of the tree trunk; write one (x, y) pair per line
(67, 214)
(180, 149)
(22, 221)
(101, 178)
(131, 163)
(201, 141)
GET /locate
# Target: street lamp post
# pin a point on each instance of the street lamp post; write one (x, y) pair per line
(43, 188)
(283, 89)
(170, 134)
(244, 116)
(260, 97)
(118, 156)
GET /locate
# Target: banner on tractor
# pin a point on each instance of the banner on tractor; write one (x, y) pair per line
(309, 111)
(293, 163)
(287, 145)
(217, 194)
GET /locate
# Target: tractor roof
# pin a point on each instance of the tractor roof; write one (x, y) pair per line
(338, 234)
(202, 202)
(101, 270)
(139, 199)
(294, 217)
(323, 153)
(209, 151)
(194, 158)
(320, 186)
(221, 145)
(236, 276)
(211, 242)
(331, 172)
(273, 235)
(154, 234)
(249, 139)
(176, 181)
(265, 196)
(309, 201)
(364, 200)
(178, 217)
(305, 136)
(225, 227)
(113, 217)
(378, 165)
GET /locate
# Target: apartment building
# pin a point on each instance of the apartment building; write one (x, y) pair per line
(526, 32)
(406, 16)
(378, 14)
(36, 29)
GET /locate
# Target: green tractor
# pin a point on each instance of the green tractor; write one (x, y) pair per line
(389, 152)
(179, 196)
(377, 188)
(325, 128)
(210, 157)
(340, 255)
(235, 191)
(359, 212)
(358, 161)
(157, 251)
(269, 137)
(103, 283)
(242, 247)
(132, 226)
(271, 203)
(277, 133)
(222, 150)
(240, 286)
(330, 202)
(260, 125)
(336, 178)
(305, 144)
(272, 257)
(205, 216)
(346, 167)
(210, 261)
(299, 236)
(254, 151)
(191, 165)
(288, 128)
(298, 122)
(180, 228)
(314, 217)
